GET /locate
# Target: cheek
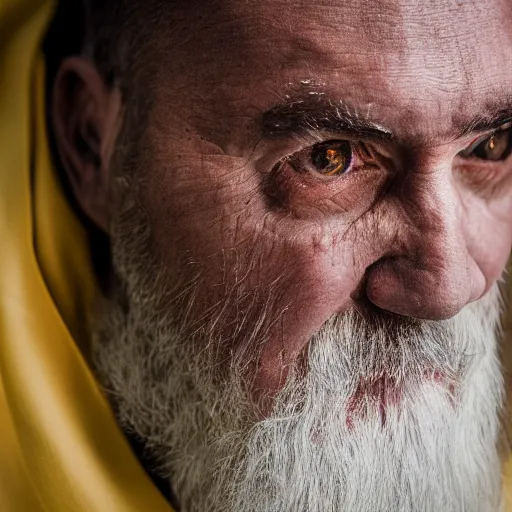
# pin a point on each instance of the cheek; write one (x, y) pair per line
(489, 235)
(313, 289)
(224, 227)
(271, 278)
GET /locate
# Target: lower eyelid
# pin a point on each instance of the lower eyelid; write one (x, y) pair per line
(482, 175)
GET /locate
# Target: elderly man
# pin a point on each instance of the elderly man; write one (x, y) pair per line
(295, 216)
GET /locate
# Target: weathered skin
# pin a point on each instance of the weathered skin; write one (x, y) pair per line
(422, 236)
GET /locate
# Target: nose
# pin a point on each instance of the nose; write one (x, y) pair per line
(427, 272)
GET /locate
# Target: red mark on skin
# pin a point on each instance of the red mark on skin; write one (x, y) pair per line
(381, 392)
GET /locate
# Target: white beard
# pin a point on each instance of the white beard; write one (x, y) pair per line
(433, 449)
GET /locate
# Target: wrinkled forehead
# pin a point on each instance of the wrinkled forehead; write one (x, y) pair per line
(440, 58)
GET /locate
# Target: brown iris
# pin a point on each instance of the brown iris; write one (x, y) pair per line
(494, 148)
(332, 158)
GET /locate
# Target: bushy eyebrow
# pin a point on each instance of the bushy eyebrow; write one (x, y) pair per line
(493, 116)
(311, 114)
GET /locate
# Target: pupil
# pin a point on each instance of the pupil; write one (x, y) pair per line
(332, 158)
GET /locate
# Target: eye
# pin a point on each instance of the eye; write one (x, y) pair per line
(326, 159)
(494, 148)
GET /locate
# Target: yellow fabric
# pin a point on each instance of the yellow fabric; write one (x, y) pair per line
(60, 448)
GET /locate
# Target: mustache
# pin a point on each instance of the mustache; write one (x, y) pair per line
(375, 345)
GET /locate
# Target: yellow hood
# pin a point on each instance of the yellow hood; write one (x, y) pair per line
(60, 448)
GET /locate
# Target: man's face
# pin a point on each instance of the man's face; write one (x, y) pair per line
(304, 164)
(236, 182)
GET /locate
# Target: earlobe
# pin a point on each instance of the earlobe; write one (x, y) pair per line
(85, 116)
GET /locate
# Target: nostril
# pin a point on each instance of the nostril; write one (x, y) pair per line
(363, 305)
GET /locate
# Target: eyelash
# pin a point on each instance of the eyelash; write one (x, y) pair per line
(298, 190)
(364, 156)
(470, 151)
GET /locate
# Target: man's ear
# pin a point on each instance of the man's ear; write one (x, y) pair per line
(86, 117)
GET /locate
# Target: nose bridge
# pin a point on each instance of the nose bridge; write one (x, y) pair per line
(434, 235)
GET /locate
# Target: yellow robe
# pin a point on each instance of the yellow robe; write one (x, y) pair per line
(60, 448)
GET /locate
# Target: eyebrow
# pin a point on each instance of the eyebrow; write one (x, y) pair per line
(494, 116)
(302, 115)
(318, 114)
